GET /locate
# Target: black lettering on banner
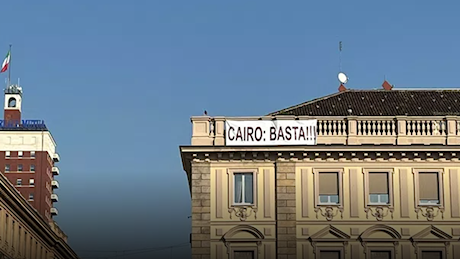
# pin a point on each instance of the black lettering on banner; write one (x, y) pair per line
(288, 133)
(238, 134)
(301, 134)
(272, 133)
(231, 129)
(250, 131)
(280, 133)
(295, 132)
(258, 133)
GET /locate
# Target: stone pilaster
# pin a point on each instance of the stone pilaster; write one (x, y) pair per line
(201, 212)
(286, 210)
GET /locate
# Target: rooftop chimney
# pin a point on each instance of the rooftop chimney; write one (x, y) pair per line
(387, 85)
(342, 88)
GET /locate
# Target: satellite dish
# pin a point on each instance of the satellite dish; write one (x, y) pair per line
(342, 78)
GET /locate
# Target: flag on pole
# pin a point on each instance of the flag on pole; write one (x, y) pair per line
(6, 62)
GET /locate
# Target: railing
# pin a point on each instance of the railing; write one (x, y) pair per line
(350, 130)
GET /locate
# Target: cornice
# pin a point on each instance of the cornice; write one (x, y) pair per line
(324, 156)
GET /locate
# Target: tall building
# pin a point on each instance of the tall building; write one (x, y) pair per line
(355, 174)
(28, 155)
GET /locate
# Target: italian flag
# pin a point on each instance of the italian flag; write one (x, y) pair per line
(6, 62)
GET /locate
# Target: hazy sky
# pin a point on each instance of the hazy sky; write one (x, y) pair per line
(117, 81)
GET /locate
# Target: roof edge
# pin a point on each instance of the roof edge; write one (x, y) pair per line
(306, 103)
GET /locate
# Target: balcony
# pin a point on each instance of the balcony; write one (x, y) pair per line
(56, 157)
(400, 130)
(55, 184)
(55, 170)
(54, 211)
(54, 197)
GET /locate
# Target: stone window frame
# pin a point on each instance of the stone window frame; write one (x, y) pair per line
(442, 249)
(381, 248)
(390, 173)
(339, 171)
(231, 187)
(440, 173)
(341, 249)
(250, 247)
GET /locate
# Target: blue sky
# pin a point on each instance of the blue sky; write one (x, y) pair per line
(117, 82)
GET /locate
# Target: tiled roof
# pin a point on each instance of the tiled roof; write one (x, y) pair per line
(418, 102)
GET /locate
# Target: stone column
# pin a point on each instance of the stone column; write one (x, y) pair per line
(201, 212)
(286, 210)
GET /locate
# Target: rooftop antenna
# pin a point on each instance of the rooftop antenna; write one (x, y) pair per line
(343, 79)
(19, 80)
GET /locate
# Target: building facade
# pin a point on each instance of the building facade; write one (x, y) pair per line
(380, 180)
(24, 233)
(28, 155)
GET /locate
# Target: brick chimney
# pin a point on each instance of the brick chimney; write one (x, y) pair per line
(342, 88)
(387, 85)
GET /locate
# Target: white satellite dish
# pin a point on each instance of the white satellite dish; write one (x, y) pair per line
(342, 78)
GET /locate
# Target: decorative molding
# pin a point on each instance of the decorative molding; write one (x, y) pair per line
(243, 212)
(430, 212)
(328, 212)
(326, 156)
(379, 212)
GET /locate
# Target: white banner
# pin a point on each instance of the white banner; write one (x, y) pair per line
(276, 132)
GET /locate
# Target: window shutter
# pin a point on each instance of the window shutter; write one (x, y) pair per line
(378, 183)
(428, 186)
(328, 184)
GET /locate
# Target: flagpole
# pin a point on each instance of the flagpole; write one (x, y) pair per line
(9, 70)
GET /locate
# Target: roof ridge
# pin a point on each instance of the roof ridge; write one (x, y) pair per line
(306, 103)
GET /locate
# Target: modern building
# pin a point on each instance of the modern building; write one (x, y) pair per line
(28, 155)
(355, 174)
(24, 233)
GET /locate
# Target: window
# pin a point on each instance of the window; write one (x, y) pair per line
(328, 188)
(19, 167)
(432, 254)
(378, 188)
(7, 167)
(7, 154)
(32, 167)
(20, 154)
(31, 196)
(330, 254)
(19, 182)
(243, 255)
(380, 254)
(428, 188)
(243, 188)
(31, 182)
(32, 154)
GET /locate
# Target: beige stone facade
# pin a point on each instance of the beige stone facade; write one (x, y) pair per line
(395, 194)
(24, 233)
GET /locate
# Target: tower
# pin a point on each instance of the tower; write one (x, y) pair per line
(13, 102)
(28, 155)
